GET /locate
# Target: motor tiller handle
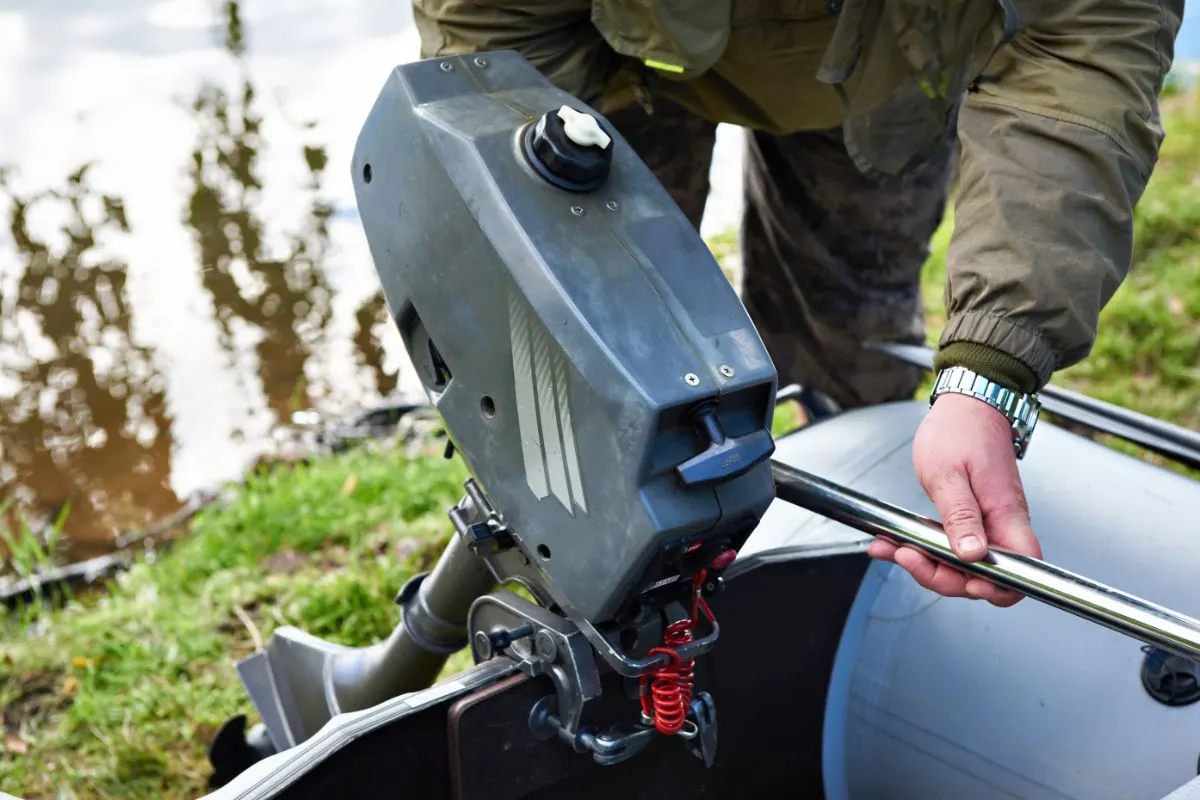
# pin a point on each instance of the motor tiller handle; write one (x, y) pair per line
(1103, 605)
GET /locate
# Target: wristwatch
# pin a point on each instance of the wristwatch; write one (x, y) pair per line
(1020, 409)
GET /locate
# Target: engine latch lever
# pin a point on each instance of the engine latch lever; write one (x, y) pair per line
(724, 457)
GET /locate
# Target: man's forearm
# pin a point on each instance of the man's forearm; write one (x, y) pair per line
(1055, 154)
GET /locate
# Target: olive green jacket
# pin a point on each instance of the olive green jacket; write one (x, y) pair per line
(1059, 129)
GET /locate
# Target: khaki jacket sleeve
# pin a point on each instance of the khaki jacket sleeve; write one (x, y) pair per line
(555, 36)
(1058, 143)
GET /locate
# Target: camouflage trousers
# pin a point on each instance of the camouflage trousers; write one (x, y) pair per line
(830, 259)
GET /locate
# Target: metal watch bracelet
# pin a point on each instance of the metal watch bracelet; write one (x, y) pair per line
(1020, 409)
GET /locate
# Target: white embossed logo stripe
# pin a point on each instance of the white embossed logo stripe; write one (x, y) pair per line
(548, 445)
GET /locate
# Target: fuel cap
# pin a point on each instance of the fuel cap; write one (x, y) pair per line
(570, 149)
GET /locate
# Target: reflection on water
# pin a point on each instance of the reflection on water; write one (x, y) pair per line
(284, 301)
(84, 413)
(87, 413)
(371, 316)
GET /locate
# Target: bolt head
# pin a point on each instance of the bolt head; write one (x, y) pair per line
(481, 62)
(691, 379)
(483, 644)
(546, 648)
(577, 210)
(726, 370)
(446, 66)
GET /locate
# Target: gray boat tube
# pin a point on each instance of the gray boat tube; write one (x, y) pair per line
(949, 697)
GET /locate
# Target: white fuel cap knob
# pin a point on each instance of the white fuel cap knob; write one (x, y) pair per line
(583, 129)
(570, 149)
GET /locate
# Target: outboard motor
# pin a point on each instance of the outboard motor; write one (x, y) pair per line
(600, 378)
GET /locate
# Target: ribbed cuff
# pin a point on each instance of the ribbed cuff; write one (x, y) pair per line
(989, 362)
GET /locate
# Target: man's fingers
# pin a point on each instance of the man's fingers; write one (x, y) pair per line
(1011, 529)
(982, 589)
(933, 575)
(1004, 599)
(881, 549)
(961, 518)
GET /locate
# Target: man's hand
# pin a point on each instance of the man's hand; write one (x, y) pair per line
(964, 458)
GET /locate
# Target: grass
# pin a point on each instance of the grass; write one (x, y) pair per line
(28, 552)
(117, 694)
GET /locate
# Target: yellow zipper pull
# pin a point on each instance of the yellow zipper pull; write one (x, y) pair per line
(663, 66)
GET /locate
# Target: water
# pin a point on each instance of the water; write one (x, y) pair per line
(174, 281)
(181, 269)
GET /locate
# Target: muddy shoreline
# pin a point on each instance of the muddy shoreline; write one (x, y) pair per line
(397, 423)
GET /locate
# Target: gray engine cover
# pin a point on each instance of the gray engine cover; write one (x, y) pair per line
(575, 435)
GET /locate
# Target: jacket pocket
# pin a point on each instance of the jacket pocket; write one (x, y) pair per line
(681, 38)
(945, 42)
(902, 68)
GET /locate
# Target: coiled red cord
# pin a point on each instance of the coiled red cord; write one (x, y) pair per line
(670, 687)
(666, 693)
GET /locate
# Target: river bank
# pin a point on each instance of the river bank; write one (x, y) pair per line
(118, 694)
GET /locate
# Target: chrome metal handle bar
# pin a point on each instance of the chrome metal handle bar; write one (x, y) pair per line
(1103, 605)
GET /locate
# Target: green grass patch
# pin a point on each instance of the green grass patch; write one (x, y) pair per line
(27, 552)
(119, 693)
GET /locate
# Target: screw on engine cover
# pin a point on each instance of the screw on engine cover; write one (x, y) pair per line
(481, 63)
(612, 205)
(446, 66)
(577, 210)
(691, 379)
(547, 650)
(726, 370)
